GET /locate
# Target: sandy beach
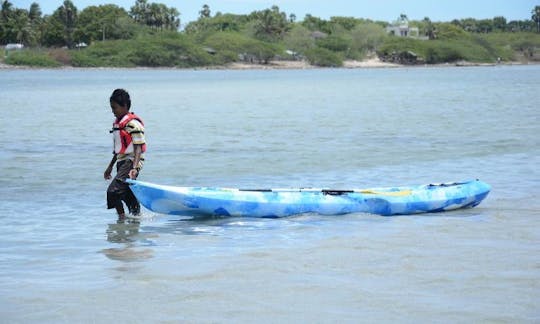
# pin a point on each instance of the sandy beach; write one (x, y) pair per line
(272, 65)
(373, 62)
(350, 64)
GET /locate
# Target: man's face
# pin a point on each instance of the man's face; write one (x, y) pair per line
(117, 110)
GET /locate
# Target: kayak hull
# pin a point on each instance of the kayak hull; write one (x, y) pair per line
(210, 201)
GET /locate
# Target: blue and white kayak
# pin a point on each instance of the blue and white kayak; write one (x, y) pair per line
(286, 202)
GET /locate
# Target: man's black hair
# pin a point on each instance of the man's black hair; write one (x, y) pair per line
(121, 97)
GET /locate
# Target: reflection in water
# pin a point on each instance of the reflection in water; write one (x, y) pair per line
(123, 231)
(214, 226)
(126, 231)
(128, 253)
(230, 226)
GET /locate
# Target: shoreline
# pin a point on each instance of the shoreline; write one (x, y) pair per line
(371, 63)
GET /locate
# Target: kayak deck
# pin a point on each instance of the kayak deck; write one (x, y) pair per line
(286, 202)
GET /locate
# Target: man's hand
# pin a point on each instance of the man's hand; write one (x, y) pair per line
(133, 173)
(107, 173)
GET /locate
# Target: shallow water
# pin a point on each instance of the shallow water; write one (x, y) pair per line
(64, 258)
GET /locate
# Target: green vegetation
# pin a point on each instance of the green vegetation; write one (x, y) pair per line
(320, 56)
(37, 58)
(473, 48)
(147, 35)
(233, 46)
(164, 49)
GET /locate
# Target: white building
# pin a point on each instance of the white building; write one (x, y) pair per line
(401, 28)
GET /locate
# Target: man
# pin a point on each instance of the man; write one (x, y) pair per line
(129, 148)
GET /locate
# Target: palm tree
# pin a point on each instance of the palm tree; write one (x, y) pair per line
(429, 28)
(173, 20)
(403, 19)
(536, 17)
(205, 12)
(7, 8)
(140, 11)
(35, 11)
(22, 27)
(156, 16)
(292, 18)
(271, 24)
(67, 14)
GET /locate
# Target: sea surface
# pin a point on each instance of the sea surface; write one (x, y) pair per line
(64, 258)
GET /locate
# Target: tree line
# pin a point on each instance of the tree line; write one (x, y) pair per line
(67, 24)
(257, 37)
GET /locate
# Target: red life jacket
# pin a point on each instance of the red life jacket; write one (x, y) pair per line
(121, 138)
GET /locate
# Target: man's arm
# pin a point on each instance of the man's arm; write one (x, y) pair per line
(137, 149)
(108, 171)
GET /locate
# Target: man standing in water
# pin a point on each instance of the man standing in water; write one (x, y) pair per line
(129, 148)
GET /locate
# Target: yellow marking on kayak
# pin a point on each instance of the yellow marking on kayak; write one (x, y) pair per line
(387, 193)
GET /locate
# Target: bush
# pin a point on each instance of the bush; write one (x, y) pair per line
(229, 46)
(450, 31)
(35, 58)
(263, 52)
(394, 45)
(323, 57)
(334, 43)
(441, 53)
(509, 44)
(104, 54)
(471, 49)
(161, 50)
(299, 39)
(60, 55)
(177, 51)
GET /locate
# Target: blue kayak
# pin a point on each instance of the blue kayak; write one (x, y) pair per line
(210, 201)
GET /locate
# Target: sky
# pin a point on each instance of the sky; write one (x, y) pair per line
(384, 10)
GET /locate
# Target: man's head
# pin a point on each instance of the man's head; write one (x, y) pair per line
(120, 102)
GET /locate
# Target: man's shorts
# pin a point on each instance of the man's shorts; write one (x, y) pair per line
(119, 191)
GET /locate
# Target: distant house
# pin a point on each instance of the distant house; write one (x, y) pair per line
(14, 47)
(318, 35)
(210, 50)
(401, 28)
